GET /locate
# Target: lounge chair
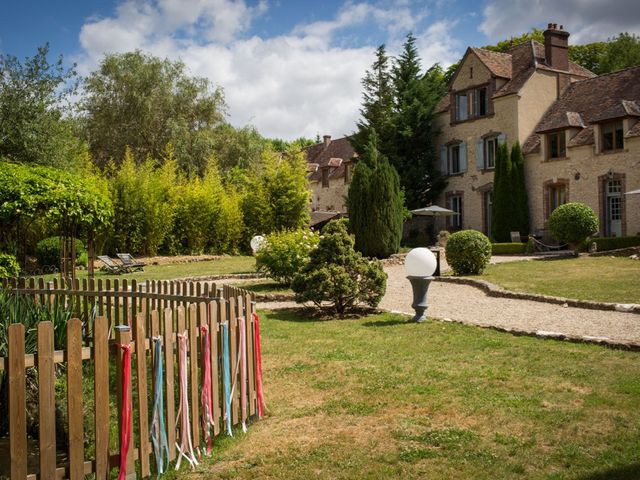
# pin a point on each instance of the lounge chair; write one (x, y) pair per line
(131, 263)
(112, 267)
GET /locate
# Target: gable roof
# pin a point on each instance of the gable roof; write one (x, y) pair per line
(593, 100)
(597, 99)
(516, 65)
(333, 156)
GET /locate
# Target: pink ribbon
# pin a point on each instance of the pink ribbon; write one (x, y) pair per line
(126, 414)
(259, 387)
(205, 396)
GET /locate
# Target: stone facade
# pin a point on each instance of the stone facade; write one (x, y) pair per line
(522, 96)
(330, 166)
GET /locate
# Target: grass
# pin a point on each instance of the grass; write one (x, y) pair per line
(222, 266)
(380, 397)
(263, 286)
(602, 279)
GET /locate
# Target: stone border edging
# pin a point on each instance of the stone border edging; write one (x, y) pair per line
(238, 276)
(600, 341)
(274, 297)
(496, 291)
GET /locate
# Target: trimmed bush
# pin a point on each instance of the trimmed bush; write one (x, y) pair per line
(285, 253)
(468, 252)
(573, 223)
(614, 243)
(48, 251)
(337, 274)
(9, 267)
(514, 248)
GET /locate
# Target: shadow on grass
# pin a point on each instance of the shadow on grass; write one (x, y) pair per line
(626, 472)
(387, 323)
(314, 314)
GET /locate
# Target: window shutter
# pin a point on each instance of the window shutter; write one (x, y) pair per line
(480, 154)
(443, 160)
(502, 138)
(463, 157)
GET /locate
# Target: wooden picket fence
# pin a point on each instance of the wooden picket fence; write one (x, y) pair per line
(148, 310)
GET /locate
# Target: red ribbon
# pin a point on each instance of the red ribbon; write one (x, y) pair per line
(126, 411)
(259, 388)
(205, 396)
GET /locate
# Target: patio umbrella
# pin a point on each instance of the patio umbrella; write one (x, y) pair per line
(633, 192)
(434, 211)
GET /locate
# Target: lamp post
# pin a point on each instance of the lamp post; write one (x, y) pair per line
(420, 264)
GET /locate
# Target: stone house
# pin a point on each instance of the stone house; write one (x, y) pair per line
(530, 95)
(330, 166)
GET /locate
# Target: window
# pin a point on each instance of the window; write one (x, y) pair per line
(325, 177)
(612, 136)
(454, 159)
(455, 203)
(557, 144)
(462, 106)
(481, 102)
(490, 150)
(347, 173)
(557, 195)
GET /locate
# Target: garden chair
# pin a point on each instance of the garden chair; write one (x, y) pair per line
(130, 262)
(112, 267)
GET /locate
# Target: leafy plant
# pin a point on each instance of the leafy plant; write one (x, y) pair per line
(573, 223)
(468, 252)
(339, 275)
(286, 253)
(48, 251)
(9, 266)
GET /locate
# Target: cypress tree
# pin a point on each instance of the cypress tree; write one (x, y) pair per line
(502, 199)
(375, 202)
(520, 200)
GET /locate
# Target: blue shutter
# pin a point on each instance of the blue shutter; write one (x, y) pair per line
(480, 154)
(463, 157)
(443, 160)
(502, 138)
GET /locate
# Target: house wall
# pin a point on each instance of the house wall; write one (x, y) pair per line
(536, 96)
(585, 170)
(332, 198)
(464, 80)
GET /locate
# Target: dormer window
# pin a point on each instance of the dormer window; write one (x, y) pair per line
(470, 104)
(612, 136)
(557, 142)
(325, 177)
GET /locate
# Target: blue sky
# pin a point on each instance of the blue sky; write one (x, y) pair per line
(292, 68)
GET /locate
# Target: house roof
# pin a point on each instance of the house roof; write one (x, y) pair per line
(516, 65)
(596, 99)
(333, 156)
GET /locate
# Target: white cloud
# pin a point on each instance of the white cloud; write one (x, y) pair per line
(586, 20)
(290, 85)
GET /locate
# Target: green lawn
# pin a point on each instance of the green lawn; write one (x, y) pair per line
(381, 398)
(263, 286)
(222, 266)
(602, 279)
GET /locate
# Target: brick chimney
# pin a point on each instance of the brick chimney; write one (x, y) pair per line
(327, 140)
(556, 47)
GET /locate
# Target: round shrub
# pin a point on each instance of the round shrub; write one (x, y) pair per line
(285, 253)
(48, 251)
(468, 252)
(573, 223)
(9, 267)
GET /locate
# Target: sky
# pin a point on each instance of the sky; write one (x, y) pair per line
(292, 68)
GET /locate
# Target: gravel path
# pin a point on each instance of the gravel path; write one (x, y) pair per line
(471, 305)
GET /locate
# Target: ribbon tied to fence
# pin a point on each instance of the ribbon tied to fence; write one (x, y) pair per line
(206, 397)
(185, 446)
(126, 413)
(158, 429)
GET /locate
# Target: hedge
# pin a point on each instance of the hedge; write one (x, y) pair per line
(515, 248)
(613, 243)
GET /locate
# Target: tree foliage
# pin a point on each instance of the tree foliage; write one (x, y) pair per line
(510, 203)
(468, 252)
(375, 204)
(285, 253)
(520, 198)
(142, 102)
(33, 96)
(338, 275)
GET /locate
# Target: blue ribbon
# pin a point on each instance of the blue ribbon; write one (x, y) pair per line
(226, 366)
(158, 429)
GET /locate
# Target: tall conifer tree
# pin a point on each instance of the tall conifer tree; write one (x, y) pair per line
(519, 189)
(502, 199)
(375, 204)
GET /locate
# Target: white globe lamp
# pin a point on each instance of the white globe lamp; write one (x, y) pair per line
(420, 264)
(257, 243)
